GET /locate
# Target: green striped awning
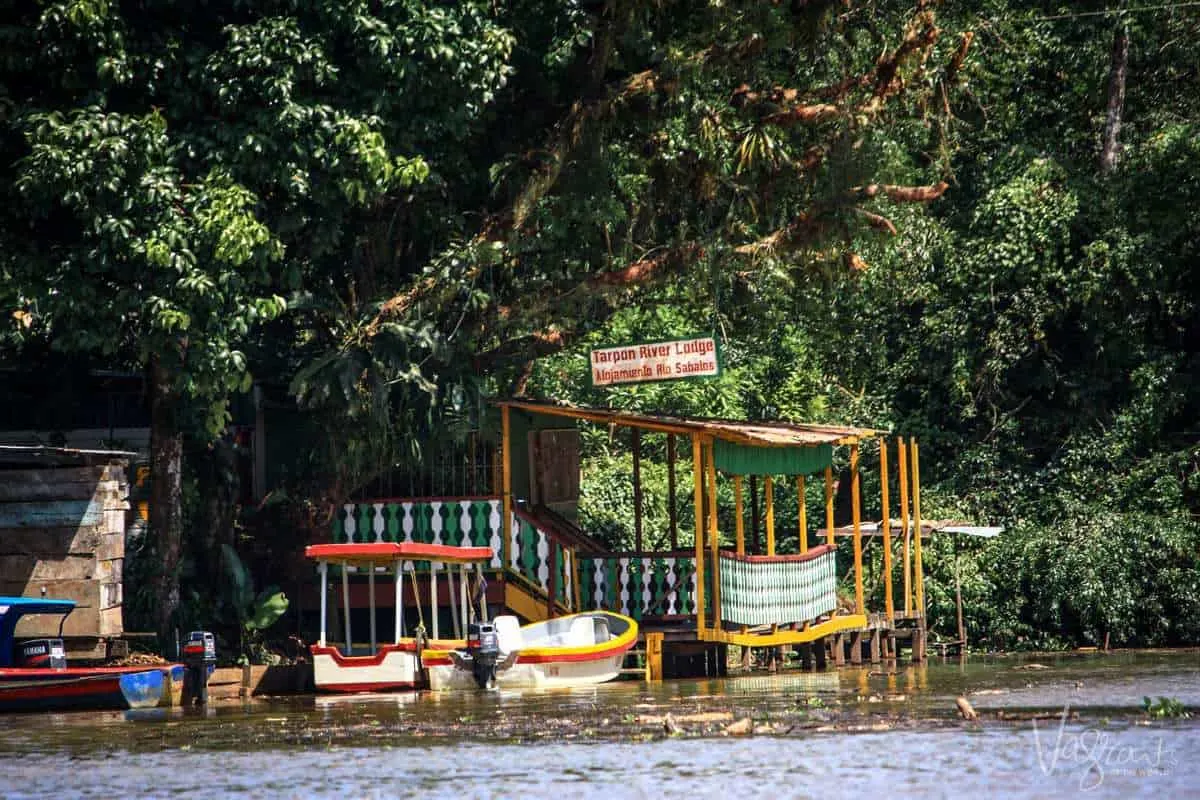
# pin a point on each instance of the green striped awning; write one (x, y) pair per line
(740, 459)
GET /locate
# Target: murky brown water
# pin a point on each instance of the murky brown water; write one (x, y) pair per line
(855, 731)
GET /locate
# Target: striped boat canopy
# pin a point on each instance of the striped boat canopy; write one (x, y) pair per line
(384, 552)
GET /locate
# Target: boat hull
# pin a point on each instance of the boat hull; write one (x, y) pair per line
(444, 676)
(550, 657)
(390, 669)
(97, 688)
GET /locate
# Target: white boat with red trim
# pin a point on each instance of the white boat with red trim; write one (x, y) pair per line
(394, 665)
(573, 650)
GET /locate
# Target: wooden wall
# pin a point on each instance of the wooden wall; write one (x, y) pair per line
(62, 529)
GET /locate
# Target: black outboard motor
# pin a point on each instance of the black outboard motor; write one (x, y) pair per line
(483, 646)
(44, 653)
(199, 660)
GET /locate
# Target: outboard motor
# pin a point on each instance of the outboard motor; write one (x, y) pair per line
(199, 661)
(42, 653)
(483, 646)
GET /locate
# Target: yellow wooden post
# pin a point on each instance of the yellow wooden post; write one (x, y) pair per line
(654, 653)
(712, 536)
(803, 513)
(916, 492)
(887, 531)
(506, 486)
(698, 491)
(902, 456)
(856, 511)
(829, 505)
(740, 525)
(769, 491)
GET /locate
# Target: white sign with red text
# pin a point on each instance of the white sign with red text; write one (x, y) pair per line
(658, 361)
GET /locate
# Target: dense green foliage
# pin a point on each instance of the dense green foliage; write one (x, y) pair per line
(890, 213)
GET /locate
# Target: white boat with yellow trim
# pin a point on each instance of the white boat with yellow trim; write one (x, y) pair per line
(573, 650)
(394, 665)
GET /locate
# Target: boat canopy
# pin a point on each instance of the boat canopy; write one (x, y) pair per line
(383, 552)
(13, 608)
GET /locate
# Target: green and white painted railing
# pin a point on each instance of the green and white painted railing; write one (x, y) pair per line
(640, 586)
(769, 590)
(459, 521)
(541, 559)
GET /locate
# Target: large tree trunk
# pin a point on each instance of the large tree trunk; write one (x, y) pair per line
(166, 496)
(1110, 147)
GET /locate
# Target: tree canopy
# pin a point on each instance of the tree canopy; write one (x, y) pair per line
(970, 224)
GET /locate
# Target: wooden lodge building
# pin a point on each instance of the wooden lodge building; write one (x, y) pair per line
(711, 587)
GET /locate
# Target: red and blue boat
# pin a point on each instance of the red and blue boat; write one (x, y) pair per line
(34, 675)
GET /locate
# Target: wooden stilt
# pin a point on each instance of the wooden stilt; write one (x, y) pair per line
(856, 650)
(839, 650)
(698, 491)
(829, 505)
(889, 605)
(918, 570)
(654, 656)
(713, 538)
(506, 487)
(856, 510)
(636, 443)
(819, 648)
(906, 534)
(769, 494)
(754, 515)
(672, 510)
(803, 513)
(739, 516)
(876, 653)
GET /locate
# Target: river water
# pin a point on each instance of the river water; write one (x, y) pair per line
(1049, 727)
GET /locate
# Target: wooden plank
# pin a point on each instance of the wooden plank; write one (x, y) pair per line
(111, 546)
(24, 568)
(52, 541)
(111, 621)
(83, 621)
(13, 492)
(49, 476)
(51, 514)
(110, 571)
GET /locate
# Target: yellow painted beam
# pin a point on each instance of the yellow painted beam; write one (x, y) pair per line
(902, 455)
(856, 511)
(523, 603)
(698, 491)
(812, 633)
(803, 529)
(506, 485)
(713, 538)
(889, 605)
(740, 525)
(829, 505)
(654, 654)
(916, 493)
(769, 491)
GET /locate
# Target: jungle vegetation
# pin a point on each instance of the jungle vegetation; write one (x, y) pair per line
(975, 225)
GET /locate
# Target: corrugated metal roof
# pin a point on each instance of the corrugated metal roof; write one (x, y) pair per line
(759, 434)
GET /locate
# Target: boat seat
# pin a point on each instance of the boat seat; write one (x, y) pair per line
(581, 634)
(508, 633)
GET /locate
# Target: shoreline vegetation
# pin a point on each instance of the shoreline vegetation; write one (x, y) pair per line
(318, 238)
